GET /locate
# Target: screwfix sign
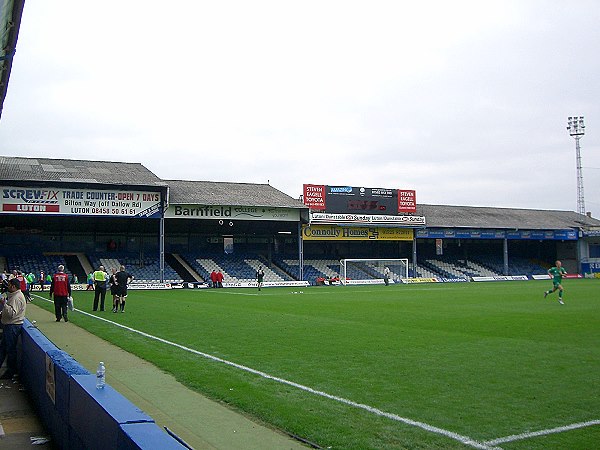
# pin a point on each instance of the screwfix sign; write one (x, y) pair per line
(85, 202)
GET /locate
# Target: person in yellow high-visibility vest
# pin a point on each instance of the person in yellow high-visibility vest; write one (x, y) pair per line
(100, 277)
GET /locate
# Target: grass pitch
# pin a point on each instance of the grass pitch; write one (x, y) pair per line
(410, 366)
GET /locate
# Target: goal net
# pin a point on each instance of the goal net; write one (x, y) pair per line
(373, 271)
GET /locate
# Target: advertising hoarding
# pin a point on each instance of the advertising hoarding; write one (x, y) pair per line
(79, 202)
(440, 233)
(341, 233)
(232, 212)
(331, 218)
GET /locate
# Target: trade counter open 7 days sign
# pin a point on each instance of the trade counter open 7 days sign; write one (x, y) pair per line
(80, 202)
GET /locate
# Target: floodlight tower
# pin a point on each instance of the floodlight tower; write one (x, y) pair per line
(576, 129)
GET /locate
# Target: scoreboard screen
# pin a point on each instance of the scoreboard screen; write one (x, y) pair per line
(359, 200)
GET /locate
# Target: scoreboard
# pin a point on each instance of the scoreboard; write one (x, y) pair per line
(359, 200)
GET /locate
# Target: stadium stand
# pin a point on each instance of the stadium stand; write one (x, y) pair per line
(242, 267)
(480, 266)
(313, 268)
(520, 266)
(353, 272)
(449, 269)
(422, 272)
(271, 273)
(35, 262)
(235, 267)
(329, 268)
(144, 270)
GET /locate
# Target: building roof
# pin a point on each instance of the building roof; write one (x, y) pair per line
(76, 171)
(41, 170)
(442, 216)
(223, 193)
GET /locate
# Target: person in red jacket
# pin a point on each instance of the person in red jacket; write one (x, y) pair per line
(61, 289)
(42, 280)
(213, 279)
(19, 276)
(220, 279)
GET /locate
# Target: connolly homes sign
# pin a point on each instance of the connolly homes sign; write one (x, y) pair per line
(349, 233)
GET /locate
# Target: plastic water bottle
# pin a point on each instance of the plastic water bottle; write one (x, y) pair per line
(100, 376)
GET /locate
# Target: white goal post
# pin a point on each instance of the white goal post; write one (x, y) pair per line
(373, 271)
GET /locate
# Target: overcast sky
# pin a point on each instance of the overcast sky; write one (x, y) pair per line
(464, 101)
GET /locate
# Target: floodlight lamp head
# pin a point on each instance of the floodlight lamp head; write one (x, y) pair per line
(576, 126)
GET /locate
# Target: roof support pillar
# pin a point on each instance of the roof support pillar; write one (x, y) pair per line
(414, 254)
(161, 241)
(300, 252)
(505, 256)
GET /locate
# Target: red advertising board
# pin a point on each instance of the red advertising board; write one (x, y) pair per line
(314, 196)
(407, 201)
(30, 207)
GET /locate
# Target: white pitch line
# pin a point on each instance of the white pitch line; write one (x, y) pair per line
(250, 294)
(519, 437)
(424, 426)
(487, 445)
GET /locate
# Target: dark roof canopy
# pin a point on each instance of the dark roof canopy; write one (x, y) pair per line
(222, 193)
(441, 216)
(65, 171)
(76, 171)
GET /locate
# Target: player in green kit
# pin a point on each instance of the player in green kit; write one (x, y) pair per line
(556, 273)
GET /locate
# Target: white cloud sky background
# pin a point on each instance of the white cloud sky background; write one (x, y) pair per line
(466, 102)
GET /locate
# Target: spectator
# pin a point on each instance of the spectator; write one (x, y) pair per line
(30, 277)
(219, 279)
(90, 282)
(12, 316)
(42, 280)
(24, 286)
(61, 289)
(4, 281)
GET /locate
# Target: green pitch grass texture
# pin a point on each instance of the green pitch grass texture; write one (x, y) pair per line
(483, 360)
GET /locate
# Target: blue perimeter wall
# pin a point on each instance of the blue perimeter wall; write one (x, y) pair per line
(81, 416)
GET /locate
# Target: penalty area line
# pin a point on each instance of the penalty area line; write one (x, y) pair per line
(378, 412)
(522, 436)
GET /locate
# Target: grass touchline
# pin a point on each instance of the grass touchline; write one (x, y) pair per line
(458, 356)
(463, 439)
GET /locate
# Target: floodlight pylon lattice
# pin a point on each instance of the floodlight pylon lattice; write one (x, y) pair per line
(576, 128)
